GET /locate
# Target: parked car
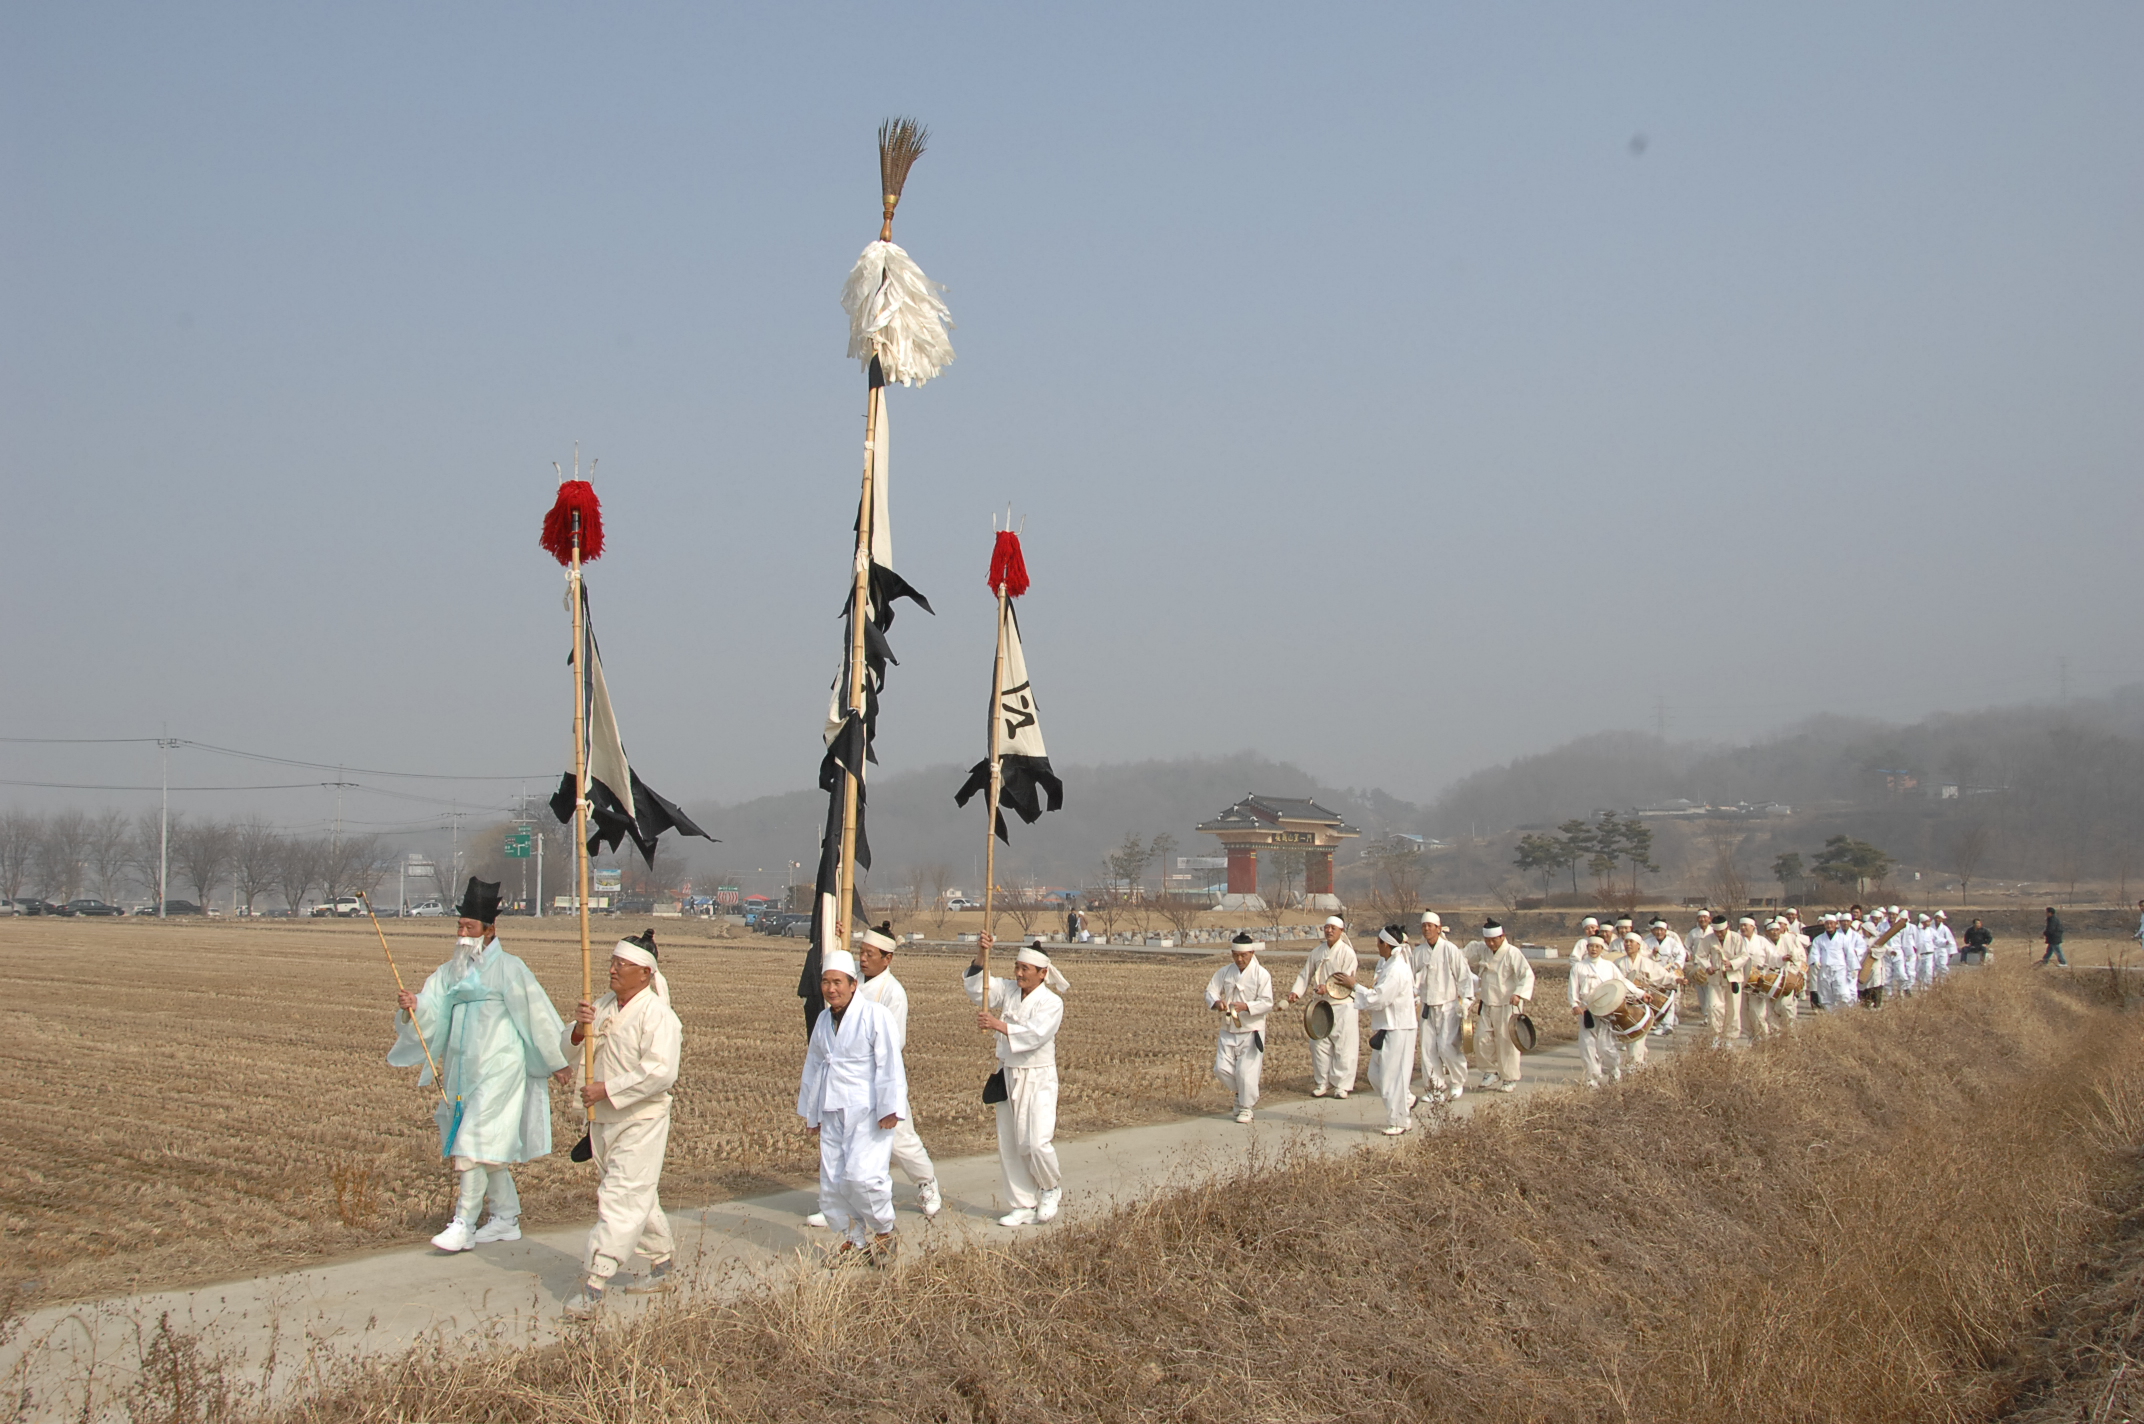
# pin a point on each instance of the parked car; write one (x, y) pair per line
(173, 907)
(961, 903)
(428, 909)
(31, 905)
(343, 907)
(92, 907)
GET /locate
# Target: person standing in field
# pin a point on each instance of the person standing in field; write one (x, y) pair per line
(494, 1035)
(1721, 958)
(1025, 1012)
(638, 1045)
(1598, 1054)
(874, 955)
(1441, 983)
(853, 1096)
(1394, 1022)
(1505, 988)
(2052, 934)
(1946, 944)
(1333, 1059)
(1241, 991)
(1764, 954)
(1794, 957)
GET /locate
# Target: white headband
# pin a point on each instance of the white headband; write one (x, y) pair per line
(1387, 937)
(1429, 917)
(1037, 959)
(632, 953)
(840, 961)
(1588, 920)
(1336, 922)
(882, 943)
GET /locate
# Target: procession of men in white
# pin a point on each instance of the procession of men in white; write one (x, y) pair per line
(485, 1024)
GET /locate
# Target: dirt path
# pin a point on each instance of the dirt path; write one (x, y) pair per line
(276, 1332)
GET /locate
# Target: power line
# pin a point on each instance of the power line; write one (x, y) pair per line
(249, 756)
(95, 786)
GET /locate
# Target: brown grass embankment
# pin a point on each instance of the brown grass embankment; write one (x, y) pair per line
(1855, 1225)
(206, 1100)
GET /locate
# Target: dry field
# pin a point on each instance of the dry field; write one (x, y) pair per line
(207, 1100)
(1873, 1221)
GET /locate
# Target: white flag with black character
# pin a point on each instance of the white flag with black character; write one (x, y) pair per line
(1024, 773)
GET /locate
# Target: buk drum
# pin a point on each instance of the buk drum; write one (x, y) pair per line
(1791, 982)
(1765, 980)
(1633, 1018)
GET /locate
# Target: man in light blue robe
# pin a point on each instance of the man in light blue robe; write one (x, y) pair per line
(495, 1036)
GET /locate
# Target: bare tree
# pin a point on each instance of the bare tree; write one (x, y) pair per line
(203, 855)
(20, 833)
(659, 879)
(1396, 872)
(1729, 889)
(145, 850)
(937, 878)
(256, 859)
(107, 853)
(1127, 864)
(60, 853)
(1284, 875)
(1182, 912)
(298, 868)
(1161, 848)
(1025, 904)
(351, 866)
(1967, 853)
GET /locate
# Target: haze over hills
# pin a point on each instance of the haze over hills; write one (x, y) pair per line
(2060, 790)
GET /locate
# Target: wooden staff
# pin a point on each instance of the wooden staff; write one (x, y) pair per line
(437, 1081)
(997, 786)
(580, 805)
(859, 610)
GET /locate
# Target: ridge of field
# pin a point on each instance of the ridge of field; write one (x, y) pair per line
(1866, 1221)
(215, 1101)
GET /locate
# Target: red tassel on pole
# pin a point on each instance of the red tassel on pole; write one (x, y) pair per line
(574, 497)
(1008, 568)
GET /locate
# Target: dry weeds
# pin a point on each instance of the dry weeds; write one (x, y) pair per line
(210, 1100)
(1864, 1223)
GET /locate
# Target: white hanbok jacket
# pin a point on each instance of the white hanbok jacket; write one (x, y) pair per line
(1440, 972)
(1324, 961)
(1390, 1001)
(496, 1038)
(854, 1066)
(637, 1054)
(1031, 1021)
(1252, 986)
(886, 990)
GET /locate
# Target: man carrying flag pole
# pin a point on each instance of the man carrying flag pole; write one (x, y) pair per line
(897, 330)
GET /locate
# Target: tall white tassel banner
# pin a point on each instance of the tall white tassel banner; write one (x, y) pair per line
(896, 314)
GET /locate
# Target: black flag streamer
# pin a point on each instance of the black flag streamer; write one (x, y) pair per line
(621, 806)
(897, 329)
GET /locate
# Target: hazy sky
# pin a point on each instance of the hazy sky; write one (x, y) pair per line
(1390, 389)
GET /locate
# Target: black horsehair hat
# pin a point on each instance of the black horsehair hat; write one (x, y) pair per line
(480, 902)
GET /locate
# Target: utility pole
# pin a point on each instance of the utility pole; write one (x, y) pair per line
(163, 831)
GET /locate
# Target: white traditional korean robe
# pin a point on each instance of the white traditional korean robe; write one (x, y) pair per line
(908, 1152)
(1334, 1059)
(1505, 976)
(1599, 1055)
(1441, 982)
(1027, 1119)
(1393, 1012)
(638, 1049)
(853, 1078)
(1239, 1055)
(1674, 956)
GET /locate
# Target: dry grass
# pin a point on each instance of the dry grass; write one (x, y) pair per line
(1861, 1224)
(208, 1100)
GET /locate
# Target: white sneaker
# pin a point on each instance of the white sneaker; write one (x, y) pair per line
(506, 1228)
(1411, 1101)
(1488, 1080)
(1243, 1115)
(586, 1303)
(457, 1237)
(1018, 1216)
(1048, 1210)
(817, 1218)
(1505, 1088)
(1394, 1131)
(930, 1199)
(654, 1282)
(1453, 1096)
(1341, 1093)
(1318, 1091)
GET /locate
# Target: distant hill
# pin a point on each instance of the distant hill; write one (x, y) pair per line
(913, 822)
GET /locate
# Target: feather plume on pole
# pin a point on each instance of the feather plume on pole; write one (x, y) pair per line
(896, 315)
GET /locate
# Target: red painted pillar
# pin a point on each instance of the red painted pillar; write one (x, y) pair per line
(1318, 872)
(1243, 870)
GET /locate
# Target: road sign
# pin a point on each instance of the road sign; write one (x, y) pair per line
(520, 843)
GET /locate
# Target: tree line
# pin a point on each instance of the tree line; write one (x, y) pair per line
(114, 857)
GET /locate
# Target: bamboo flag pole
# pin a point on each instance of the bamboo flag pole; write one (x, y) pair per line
(859, 610)
(437, 1081)
(997, 787)
(580, 805)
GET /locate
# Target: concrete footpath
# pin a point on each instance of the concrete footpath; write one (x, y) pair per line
(277, 1332)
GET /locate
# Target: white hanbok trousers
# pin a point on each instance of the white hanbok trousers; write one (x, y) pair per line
(1335, 1058)
(1723, 1010)
(1759, 1012)
(1238, 1061)
(1027, 1134)
(1492, 1040)
(629, 1212)
(855, 1174)
(1395, 1071)
(1598, 1053)
(1444, 1062)
(909, 1156)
